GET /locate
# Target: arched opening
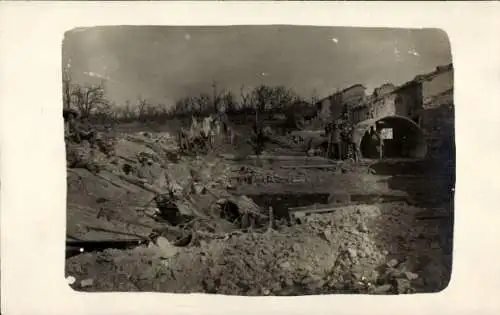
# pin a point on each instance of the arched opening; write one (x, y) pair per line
(402, 138)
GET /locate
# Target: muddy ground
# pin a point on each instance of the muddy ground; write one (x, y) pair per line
(387, 228)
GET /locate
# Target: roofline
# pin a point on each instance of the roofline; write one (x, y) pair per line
(346, 89)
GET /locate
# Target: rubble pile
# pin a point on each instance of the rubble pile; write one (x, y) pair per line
(86, 147)
(339, 252)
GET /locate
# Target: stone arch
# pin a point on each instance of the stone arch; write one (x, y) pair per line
(408, 138)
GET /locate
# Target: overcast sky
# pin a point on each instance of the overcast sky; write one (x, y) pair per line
(163, 64)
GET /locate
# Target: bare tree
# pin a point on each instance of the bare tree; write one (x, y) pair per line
(215, 97)
(88, 98)
(282, 97)
(262, 95)
(67, 88)
(203, 103)
(246, 99)
(142, 105)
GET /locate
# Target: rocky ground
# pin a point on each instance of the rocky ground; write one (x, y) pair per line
(389, 229)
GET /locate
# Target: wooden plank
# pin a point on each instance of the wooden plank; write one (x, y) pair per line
(275, 157)
(304, 212)
(309, 207)
(309, 166)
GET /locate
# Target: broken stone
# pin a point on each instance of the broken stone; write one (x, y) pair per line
(166, 250)
(209, 285)
(286, 265)
(199, 189)
(276, 287)
(362, 227)
(352, 253)
(70, 280)
(410, 275)
(403, 285)
(288, 282)
(327, 234)
(87, 283)
(296, 247)
(314, 286)
(381, 289)
(392, 263)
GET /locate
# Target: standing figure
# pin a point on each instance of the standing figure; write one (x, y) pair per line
(336, 141)
(377, 141)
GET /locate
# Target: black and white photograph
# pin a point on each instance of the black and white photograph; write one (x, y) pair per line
(259, 160)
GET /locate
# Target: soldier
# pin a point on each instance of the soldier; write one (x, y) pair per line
(355, 145)
(377, 141)
(336, 141)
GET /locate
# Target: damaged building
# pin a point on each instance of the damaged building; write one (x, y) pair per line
(412, 118)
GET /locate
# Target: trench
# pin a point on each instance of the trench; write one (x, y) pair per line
(282, 202)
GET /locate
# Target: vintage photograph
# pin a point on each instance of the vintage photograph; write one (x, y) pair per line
(263, 160)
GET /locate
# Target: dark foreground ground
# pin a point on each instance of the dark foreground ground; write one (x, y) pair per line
(372, 227)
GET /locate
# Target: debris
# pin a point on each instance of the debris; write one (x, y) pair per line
(70, 280)
(392, 263)
(327, 234)
(411, 276)
(382, 289)
(87, 283)
(403, 286)
(232, 253)
(353, 254)
(339, 198)
(362, 227)
(165, 249)
(285, 265)
(309, 166)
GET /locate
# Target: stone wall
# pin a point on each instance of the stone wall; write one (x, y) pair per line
(437, 84)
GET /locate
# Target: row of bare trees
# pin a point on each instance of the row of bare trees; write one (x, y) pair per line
(262, 98)
(90, 101)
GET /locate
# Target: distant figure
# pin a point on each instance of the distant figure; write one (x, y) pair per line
(258, 138)
(335, 141)
(377, 141)
(355, 147)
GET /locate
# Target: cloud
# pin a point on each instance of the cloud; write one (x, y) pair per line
(96, 75)
(335, 40)
(413, 52)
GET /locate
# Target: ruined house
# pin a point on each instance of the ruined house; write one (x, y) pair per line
(413, 117)
(349, 97)
(403, 113)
